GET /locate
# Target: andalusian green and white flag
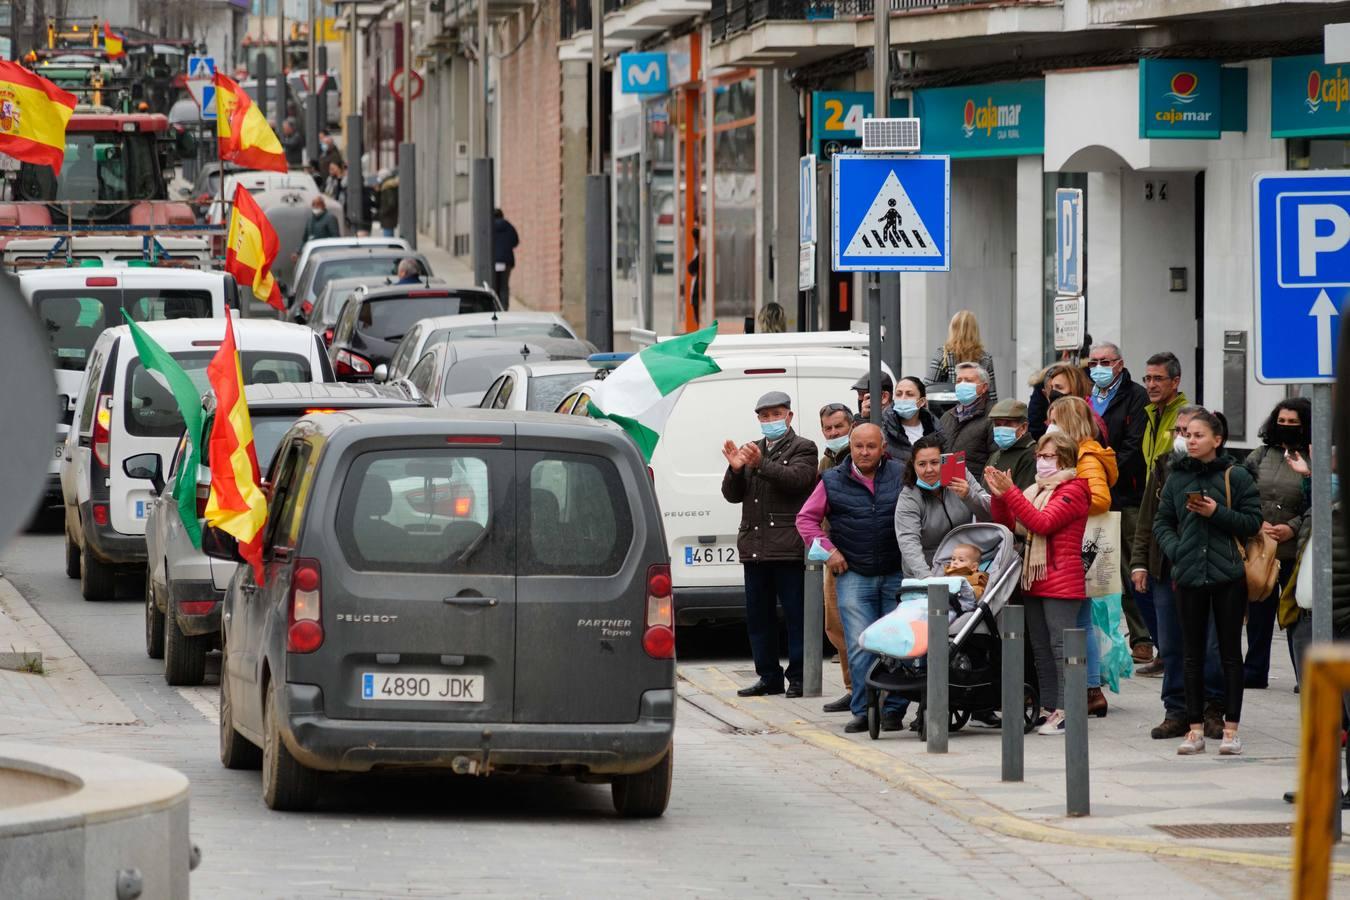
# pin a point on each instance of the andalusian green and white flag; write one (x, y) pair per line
(639, 395)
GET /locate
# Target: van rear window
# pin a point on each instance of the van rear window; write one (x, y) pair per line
(74, 319)
(389, 318)
(576, 517)
(150, 407)
(427, 511)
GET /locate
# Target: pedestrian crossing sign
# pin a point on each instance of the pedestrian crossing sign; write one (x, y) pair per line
(201, 67)
(892, 213)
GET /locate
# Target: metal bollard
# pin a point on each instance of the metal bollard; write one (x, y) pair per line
(1075, 723)
(813, 628)
(937, 711)
(1014, 670)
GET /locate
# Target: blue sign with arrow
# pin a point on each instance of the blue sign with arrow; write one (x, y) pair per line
(1302, 273)
(892, 213)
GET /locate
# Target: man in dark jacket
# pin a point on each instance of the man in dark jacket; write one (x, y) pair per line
(321, 223)
(1121, 403)
(862, 553)
(328, 152)
(1016, 453)
(1151, 572)
(505, 240)
(387, 204)
(293, 143)
(966, 427)
(771, 478)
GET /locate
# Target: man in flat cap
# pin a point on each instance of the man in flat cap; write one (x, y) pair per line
(771, 478)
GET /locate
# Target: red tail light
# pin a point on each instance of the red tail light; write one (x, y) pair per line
(304, 633)
(307, 307)
(195, 607)
(203, 495)
(102, 436)
(101, 514)
(349, 363)
(328, 337)
(658, 639)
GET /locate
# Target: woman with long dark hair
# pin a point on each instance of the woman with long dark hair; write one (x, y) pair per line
(1287, 432)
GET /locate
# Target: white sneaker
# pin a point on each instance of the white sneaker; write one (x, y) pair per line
(1194, 743)
(1054, 724)
(1231, 746)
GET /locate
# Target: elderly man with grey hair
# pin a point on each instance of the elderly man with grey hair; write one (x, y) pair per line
(409, 270)
(967, 426)
(1121, 402)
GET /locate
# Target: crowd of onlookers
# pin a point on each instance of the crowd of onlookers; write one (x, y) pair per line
(1191, 525)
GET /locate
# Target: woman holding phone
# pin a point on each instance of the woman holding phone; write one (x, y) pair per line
(928, 509)
(1209, 506)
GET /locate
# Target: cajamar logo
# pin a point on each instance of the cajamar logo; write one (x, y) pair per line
(10, 114)
(990, 117)
(1183, 87)
(1327, 90)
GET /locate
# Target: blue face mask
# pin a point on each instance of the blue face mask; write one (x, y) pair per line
(1335, 487)
(925, 486)
(775, 429)
(1004, 436)
(835, 444)
(966, 393)
(907, 409)
(1102, 376)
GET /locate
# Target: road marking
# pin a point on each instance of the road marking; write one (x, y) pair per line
(205, 700)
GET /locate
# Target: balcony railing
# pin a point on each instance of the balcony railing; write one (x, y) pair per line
(730, 17)
(576, 15)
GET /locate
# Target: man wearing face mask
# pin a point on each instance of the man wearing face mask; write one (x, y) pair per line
(966, 427)
(1016, 453)
(1121, 404)
(771, 478)
(836, 423)
(321, 223)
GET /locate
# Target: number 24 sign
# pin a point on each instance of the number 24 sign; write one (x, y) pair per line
(838, 115)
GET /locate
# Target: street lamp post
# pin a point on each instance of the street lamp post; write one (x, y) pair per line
(407, 150)
(599, 289)
(480, 197)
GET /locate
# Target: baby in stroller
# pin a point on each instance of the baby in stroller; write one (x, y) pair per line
(979, 565)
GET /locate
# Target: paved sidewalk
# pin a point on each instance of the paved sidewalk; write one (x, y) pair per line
(1137, 783)
(66, 696)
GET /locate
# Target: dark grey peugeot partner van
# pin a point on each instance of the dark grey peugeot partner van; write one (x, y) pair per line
(459, 589)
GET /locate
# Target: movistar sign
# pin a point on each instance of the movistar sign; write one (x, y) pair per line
(644, 73)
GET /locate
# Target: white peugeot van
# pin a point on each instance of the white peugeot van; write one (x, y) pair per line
(123, 410)
(76, 304)
(687, 468)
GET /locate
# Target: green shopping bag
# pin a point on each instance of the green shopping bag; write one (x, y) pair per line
(1117, 663)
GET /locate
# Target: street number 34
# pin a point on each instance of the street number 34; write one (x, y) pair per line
(1155, 192)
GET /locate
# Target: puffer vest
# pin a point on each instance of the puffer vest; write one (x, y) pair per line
(862, 523)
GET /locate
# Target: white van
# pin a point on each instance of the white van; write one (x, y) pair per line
(687, 467)
(161, 249)
(75, 305)
(123, 410)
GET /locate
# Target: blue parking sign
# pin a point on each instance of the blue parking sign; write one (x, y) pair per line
(892, 213)
(1301, 263)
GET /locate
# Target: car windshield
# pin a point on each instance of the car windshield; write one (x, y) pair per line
(476, 374)
(73, 319)
(507, 330)
(389, 318)
(151, 410)
(545, 392)
(329, 308)
(105, 166)
(352, 267)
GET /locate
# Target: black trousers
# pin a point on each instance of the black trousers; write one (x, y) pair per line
(1228, 602)
(503, 286)
(768, 584)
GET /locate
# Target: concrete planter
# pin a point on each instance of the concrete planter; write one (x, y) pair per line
(78, 824)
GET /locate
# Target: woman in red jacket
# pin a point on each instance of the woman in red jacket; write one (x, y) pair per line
(1051, 516)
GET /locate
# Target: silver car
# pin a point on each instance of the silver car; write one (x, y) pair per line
(184, 587)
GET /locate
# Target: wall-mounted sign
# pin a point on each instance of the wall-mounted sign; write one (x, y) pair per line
(836, 119)
(1179, 98)
(1006, 118)
(644, 73)
(1308, 98)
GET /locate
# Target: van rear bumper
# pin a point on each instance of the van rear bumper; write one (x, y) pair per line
(701, 604)
(359, 745)
(181, 590)
(109, 545)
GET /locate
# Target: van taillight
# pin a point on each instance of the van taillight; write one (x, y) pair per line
(304, 633)
(102, 436)
(101, 514)
(203, 495)
(100, 281)
(348, 363)
(658, 639)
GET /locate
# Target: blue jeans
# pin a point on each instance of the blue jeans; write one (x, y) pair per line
(1260, 633)
(1171, 650)
(1094, 653)
(767, 584)
(1144, 600)
(862, 600)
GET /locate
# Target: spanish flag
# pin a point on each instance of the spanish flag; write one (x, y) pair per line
(33, 117)
(250, 247)
(112, 43)
(237, 505)
(246, 139)
(226, 88)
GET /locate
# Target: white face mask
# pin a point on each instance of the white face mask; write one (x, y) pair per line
(317, 210)
(1052, 428)
(1179, 445)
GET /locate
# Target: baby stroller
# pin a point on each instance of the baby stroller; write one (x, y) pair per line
(975, 673)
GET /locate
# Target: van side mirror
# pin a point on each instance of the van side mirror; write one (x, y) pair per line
(381, 372)
(145, 467)
(219, 545)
